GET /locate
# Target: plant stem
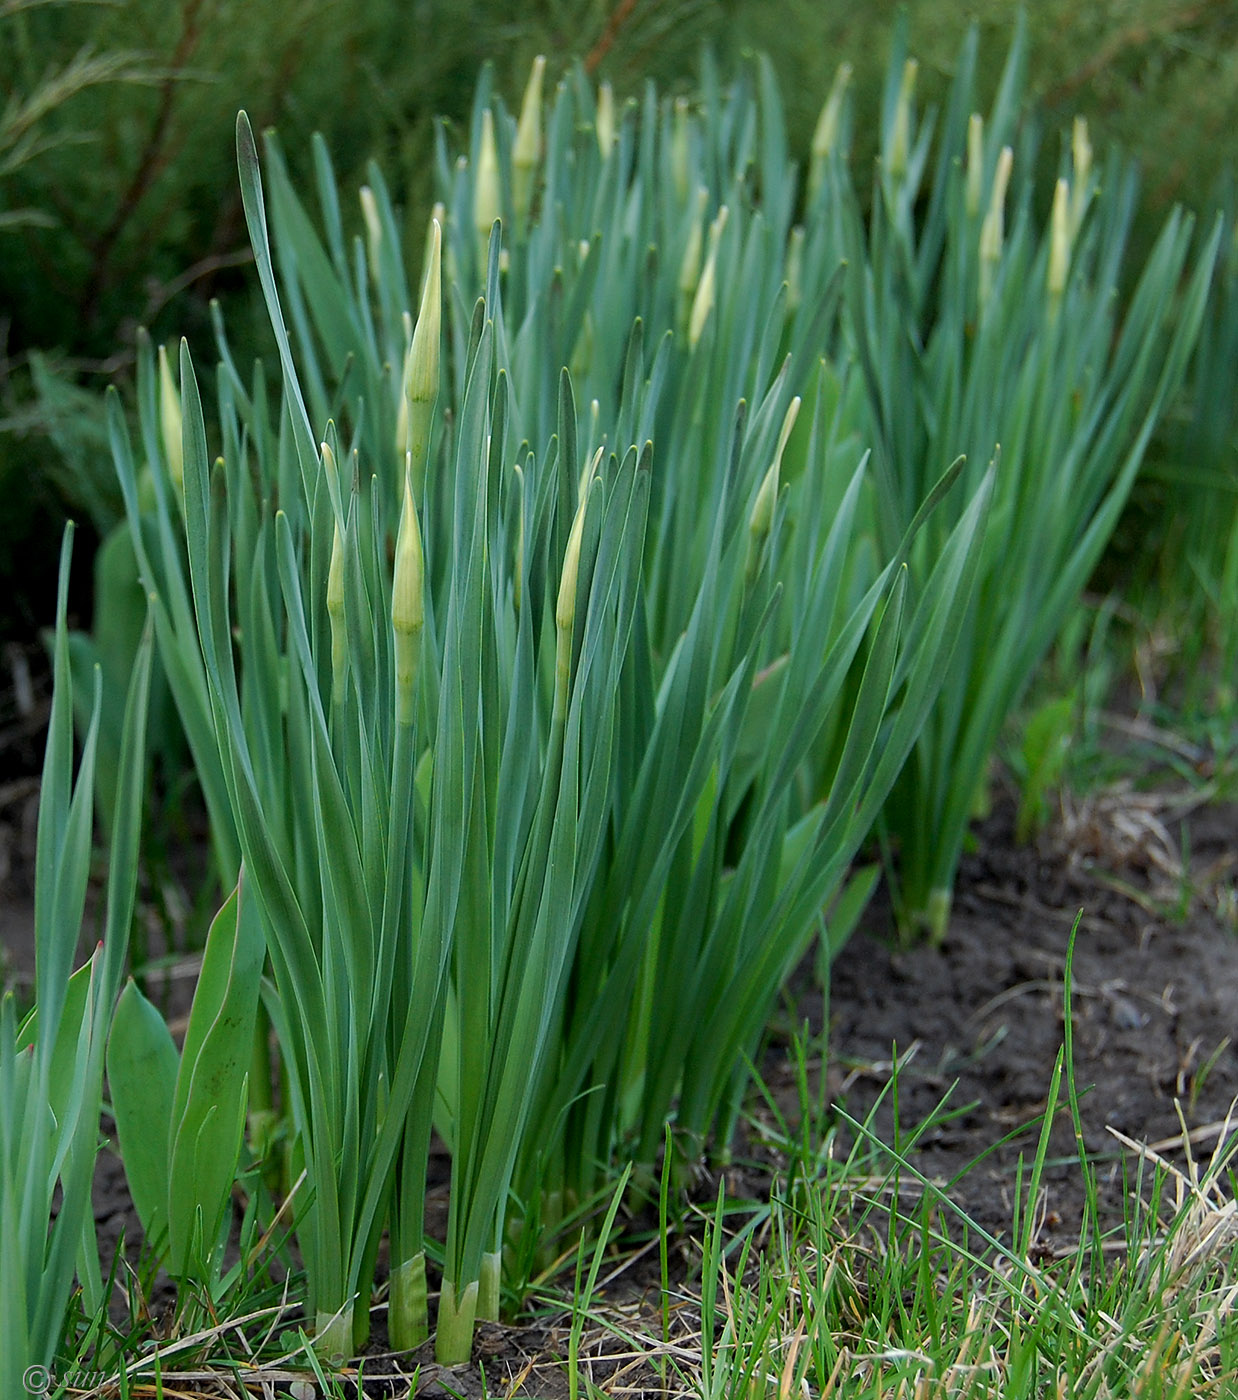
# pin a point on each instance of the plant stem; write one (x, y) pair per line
(408, 1318)
(454, 1340)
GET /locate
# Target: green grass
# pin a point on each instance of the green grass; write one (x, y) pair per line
(851, 1274)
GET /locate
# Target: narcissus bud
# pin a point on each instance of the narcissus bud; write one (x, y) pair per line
(373, 228)
(335, 616)
(690, 263)
(407, 608)
(761, 521)
(1059, 244)
(605, 119)
(1081, 158)
(565, 608)
(993, 230)
(170, 425)
(900, 136)
(421, 365)
(680, 149)
(487, 196)
(527, 146)
(975, 163)
(828, 128)
(703, 303)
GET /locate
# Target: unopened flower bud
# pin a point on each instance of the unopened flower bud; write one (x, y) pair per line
(421, 369)
(1081, 158)
(373, 228)
(680, 149)
(900, 136)
(761, 521)
(1059, 244)
(528, 143)
(993, 230)
(335, 615)
(170, 425)
(690, 263)
(829, 125)
(487, 198)
(407, 608)
(605, 119)
(703, 303)
(975, 163)
(565, 607)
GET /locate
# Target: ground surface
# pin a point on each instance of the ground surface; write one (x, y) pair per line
(981, 1020)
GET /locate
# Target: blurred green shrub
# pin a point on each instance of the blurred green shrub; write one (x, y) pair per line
(117, 194)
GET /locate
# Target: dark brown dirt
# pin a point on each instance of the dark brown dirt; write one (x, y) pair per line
(978, 1023)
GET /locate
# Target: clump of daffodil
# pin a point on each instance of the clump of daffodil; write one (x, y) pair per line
(526, 149)
(828, 129)
(170, 425)
(761, 519)
(421, 368)
(993, 230)
(703, 302)
(407, 607)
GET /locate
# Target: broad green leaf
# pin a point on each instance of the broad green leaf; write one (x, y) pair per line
(142, 1067)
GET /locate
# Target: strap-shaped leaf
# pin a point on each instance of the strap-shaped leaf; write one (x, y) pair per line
(212, 1082)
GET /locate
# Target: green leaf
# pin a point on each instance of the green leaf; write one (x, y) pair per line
(212, 1083)
(142, 1066)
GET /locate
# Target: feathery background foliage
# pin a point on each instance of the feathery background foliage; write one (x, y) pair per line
(118, 196)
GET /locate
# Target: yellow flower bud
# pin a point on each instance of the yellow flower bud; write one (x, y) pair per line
(421, 366)
(170, 425)
(993, 230)
(690, 264)
(900, 138)
(680, 149)
(1081, 157)
(528, 143)
(829, 125)
(703, 303)
(373, 228)
(565, 607)
(335, 615)
(1059, 244)
(487, 197)
(605, 119)
(589, 472)
(975, 163)
(407, 608)
(761, 521)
